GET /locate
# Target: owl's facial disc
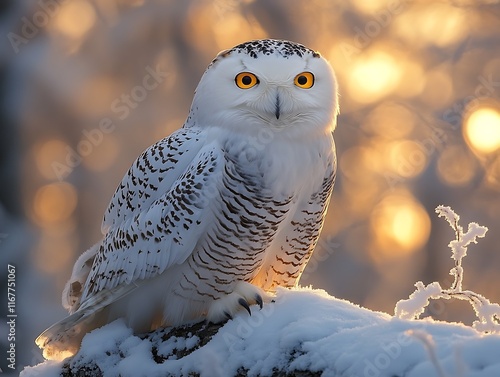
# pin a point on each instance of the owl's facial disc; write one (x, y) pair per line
(267, 83)
(279, 93)
(277, 101)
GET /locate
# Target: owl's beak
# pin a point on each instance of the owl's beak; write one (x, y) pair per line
(277, 106)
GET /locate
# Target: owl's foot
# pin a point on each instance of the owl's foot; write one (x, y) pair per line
(243, 295)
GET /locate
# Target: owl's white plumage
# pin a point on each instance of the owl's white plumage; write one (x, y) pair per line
(223, 210)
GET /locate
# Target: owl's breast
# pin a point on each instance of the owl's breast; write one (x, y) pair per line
(283, 167)
(281, 163)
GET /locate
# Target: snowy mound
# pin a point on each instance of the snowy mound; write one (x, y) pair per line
(303, 330)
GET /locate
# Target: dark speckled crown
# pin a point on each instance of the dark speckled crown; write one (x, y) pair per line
(266, 47)
(272, 46)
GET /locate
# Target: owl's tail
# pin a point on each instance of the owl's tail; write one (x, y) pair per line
(63, 338)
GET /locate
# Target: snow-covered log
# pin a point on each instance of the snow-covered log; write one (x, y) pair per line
(305, 332)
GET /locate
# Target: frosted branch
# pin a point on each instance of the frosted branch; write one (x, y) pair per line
(488, 313)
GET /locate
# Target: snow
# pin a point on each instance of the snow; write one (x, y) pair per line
(304, 329)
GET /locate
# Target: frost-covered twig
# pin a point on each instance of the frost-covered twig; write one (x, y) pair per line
(459, 245)
(488, 313)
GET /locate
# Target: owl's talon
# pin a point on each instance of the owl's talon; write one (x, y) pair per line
(258, 300)
(243, 295)
(244, 303)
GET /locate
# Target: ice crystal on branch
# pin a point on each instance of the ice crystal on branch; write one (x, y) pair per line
(459, 245)
(488, 313)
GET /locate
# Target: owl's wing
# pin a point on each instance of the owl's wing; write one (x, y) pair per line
(151, 175)
(146, 234)
(164, 232)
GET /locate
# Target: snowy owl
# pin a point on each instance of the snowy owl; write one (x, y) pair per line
(209, 220)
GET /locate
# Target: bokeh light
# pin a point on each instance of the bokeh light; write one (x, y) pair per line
(419, 125)
(400, 224)
(103, 155)
(75, 18)
(370, 7)
(407, 158)
(414, 79)
(360, 163)
(438, 88)
(373, 77)
(482, 130)
(46, 153)
(438, 24)
(456, 166)
(390, 120)
(54, 203)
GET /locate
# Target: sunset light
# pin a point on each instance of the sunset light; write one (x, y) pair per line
(89, 85)
(482, 130)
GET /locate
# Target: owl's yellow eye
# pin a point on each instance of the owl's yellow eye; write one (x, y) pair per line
(304, 80)
(246, 80)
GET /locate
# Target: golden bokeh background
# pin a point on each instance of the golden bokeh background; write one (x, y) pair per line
(90, 84)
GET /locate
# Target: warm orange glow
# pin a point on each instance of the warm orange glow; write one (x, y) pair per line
(166, 61)
(48, 152)
(390, 121)
(54, 203)
(404, 220)
(419, 121)
(360, 199)
(360, 163)
(456, 166)
(75, 18)
(373, 77)
(370, 7)
(103, 155)
(407, 158)
(222, 23)
(400, 225)
(438, 89)
(443, 24)
(436, 23)
(482, 130)
(493, 174)
(96, 95)
(232, 28)
(413, 81)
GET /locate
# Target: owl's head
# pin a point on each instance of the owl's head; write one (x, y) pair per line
(267, 83)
